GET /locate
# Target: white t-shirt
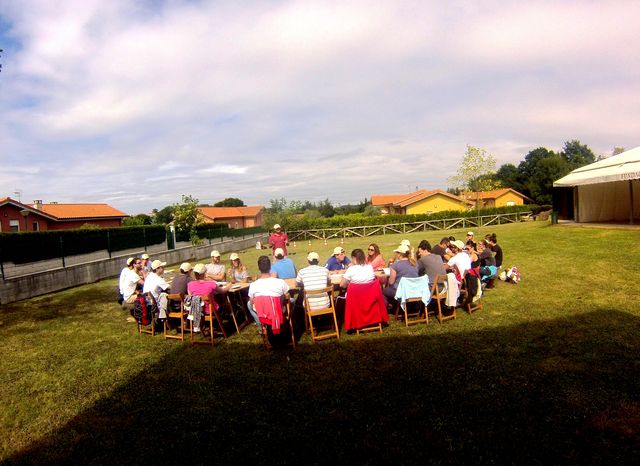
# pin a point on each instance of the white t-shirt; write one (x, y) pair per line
(268, 287)
(122, 282)
(359, 274)
(155, 284)
(130, 282)
(462, 260)
(215, 269)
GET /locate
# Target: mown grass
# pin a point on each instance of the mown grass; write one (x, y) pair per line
(548, 372)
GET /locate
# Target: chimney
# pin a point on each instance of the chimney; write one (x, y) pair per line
(37, 204)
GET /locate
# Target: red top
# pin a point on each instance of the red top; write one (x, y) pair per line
(364, 306)
(279, 240)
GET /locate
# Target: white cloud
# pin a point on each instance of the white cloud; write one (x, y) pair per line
(302, 99)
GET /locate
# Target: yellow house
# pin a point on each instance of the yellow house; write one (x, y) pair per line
(497, 197)
(423, 201)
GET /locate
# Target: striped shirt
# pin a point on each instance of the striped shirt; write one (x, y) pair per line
(315, 277)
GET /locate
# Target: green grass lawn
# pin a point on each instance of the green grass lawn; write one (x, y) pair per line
(548, 372)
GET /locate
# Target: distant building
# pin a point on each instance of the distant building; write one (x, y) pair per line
(423, 201)
(235, 217)
(497, 197)
(16, 216)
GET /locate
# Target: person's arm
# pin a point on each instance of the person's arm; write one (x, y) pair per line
(392, 276)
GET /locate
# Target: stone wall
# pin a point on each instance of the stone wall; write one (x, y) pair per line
(39, 283)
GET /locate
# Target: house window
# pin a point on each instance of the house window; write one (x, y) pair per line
(510, 203)
(36, 226)
(14, 225)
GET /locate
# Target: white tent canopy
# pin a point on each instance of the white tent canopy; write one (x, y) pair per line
(607, 190)
(621, 167)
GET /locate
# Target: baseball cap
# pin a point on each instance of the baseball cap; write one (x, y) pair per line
(337, 250)
(459, 244)
(185, 267)
(234, 256)
(157, 263)
(144, 256)
(402, 249)
(278, 252)
(469, 233)
(276, 226)
(199, 269)
(406, 242)
(313, 256)
(215, 253)
(129, 260)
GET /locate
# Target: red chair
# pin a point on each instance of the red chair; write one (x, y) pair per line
(364, 307)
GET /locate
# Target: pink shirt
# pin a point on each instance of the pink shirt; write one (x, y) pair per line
(377, 262)
(204, 288)
(279, 241)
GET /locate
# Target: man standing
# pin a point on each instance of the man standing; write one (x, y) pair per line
(278, 239)
(338, 262)
(283, 267)
(215, 270)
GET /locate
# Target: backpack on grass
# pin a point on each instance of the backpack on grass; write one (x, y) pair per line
(144, 310)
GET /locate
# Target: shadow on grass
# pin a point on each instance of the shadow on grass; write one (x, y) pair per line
(561, 391)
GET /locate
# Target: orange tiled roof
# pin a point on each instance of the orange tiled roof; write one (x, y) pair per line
(8, 200)
(403, 200)
(496, 193)
(230, 212)
(69, 211)
(386, 199)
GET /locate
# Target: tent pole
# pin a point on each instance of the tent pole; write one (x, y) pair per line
(630, 202)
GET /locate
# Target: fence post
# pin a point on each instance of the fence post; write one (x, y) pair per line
(62, 251)
(109, 243)
(1, 265)
(144, 237)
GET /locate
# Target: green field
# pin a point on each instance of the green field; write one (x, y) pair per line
(548, 372)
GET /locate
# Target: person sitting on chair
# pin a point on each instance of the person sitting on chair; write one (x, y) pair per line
(283, 266)
(338, 261)
(215, 270)
(314, 277)
(266, 285)
(403, 266)
(359, 271)
(460, 263)
(429, 263)
(179, 283)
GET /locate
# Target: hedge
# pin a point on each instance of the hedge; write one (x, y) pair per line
(209, 231)
(24, 247)
(291, 223)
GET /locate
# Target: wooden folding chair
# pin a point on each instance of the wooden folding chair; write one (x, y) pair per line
(330, 310)
(211, 319)
(408, 309)
(145, 328)
(235, 312)
(440, 294)
(287, 317)
(178, 299)
(468, 303)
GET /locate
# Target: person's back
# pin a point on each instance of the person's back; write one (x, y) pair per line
(179, 283)
(431, 265)
(314, 277)
(284, 268)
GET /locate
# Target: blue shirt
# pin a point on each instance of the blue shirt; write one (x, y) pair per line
(284, 268)
(333, 264)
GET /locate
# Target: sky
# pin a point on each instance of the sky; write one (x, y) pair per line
(136, 103)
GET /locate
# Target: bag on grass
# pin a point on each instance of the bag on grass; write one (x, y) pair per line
(143, 310)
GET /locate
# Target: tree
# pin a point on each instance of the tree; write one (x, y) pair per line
(163, 216)
(471, 176)
(508, 176)
(186, 217)
(230, 202)
(547, 170)
(137, 220)
(576, 154)
(326, 208)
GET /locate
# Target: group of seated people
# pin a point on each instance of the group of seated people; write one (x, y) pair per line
(449, 257)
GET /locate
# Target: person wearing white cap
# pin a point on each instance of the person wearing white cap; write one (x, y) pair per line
(403, 266)
(123, 276)
(314, 277)
(146, 264)
(180, 282)
(460, 263)
(237, 272)
(157, 285)
(470, 240)
(216, 269)
(338, 262)
(283, 267)
(278, 239)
